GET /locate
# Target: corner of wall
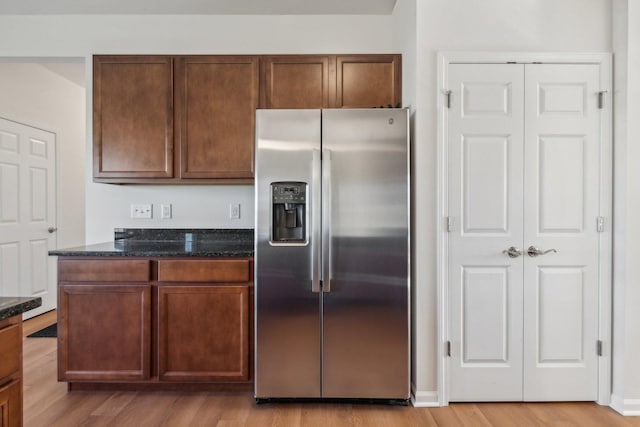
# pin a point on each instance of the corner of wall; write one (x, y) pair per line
(424, 399)
(626, 407)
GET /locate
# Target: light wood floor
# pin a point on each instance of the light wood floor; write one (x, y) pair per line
(47, 403)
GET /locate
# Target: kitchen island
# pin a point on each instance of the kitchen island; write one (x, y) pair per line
(157, 310)
(11, 309)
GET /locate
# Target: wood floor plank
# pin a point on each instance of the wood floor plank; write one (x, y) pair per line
(586, 415)
(286, 414)
(145, 409)
(212, 410)
(470, 414)
(504, 414)
(114, 404)
(184, 410)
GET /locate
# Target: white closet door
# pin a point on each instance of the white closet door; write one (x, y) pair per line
(27, 210)
(485, 148)
(562, 145)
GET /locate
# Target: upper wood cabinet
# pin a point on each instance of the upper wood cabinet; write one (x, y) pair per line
(216, 98)
(297, 81)
(330, 81)
(132, 117)
(191, 119)
(164, 119)
(364, 81)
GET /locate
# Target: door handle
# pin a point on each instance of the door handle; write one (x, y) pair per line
(513, 252)
(314, 217)
(326, 220)
(533, 252)
(52, 229)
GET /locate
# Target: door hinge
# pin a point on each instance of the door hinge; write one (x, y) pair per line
(450, 224)
(601, 99)
(599, 347)
(448, 348)
(447, 94)
(600, 224)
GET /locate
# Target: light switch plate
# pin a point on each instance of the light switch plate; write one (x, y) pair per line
(165, 211)
(141, 211)
(234, 211)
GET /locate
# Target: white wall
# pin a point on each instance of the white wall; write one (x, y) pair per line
(33, 95)
(470, 25)
(107, 206)
(626, 269)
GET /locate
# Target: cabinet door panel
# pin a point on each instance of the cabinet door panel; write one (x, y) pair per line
(365, 81)
(132, 117)
(203, 333)
(104, 332)
(216, 98)
(297, 81)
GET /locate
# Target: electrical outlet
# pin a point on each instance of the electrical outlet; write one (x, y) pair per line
(165, 211)
(234, 211)
(141, 211)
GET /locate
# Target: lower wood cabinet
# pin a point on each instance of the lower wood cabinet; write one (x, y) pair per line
(203, 333)
(11, 404)
(104, 332)
(11, 372)
(173, 321)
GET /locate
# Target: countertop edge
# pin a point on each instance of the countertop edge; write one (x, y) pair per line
(25, 304)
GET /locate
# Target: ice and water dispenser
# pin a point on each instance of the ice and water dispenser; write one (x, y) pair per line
(289, 212)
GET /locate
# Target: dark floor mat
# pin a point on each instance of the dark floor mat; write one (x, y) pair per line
(48, 332)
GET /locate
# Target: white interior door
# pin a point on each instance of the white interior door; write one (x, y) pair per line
(485, 133)
(523, 150)
(562, 146)
(27, 210)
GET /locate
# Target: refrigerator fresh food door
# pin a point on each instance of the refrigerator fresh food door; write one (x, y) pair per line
(287, 321)
(365, 254)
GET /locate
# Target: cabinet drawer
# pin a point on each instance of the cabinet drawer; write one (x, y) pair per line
(203, 270)
(10, 350)
(107, 270)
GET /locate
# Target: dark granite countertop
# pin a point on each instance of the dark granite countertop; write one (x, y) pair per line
(169, 243)
(13, 306)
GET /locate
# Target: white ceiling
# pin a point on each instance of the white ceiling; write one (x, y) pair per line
(197, 7)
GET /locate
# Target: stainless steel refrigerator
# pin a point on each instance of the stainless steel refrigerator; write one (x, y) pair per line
(332, 254)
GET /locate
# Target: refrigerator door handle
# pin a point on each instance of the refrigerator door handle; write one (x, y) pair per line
(326, 220)
(315, 220)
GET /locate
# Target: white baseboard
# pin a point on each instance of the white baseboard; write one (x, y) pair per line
(424, 399)
(627, 407)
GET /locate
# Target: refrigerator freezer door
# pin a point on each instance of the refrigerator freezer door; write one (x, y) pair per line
(287, 322)
(366, 311)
